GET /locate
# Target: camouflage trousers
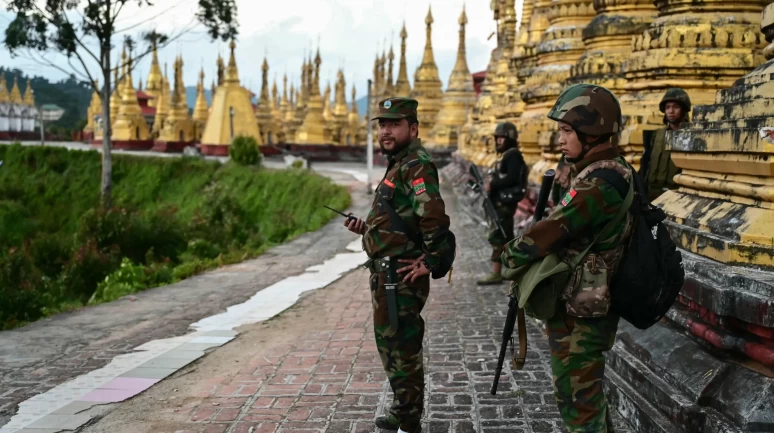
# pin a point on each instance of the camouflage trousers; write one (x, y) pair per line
(401, 351)
(578, 365)
(505, 215)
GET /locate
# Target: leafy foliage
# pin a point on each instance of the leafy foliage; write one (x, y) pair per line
(173, 218)
(244, 151)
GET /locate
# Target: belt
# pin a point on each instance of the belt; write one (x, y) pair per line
(378, 265)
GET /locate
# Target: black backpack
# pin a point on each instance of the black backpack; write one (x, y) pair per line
(447, 260)
(650, 274)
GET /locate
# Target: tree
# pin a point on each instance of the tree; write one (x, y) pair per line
(84, 32)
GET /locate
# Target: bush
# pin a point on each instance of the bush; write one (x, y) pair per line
(173, 218)
(244, 151)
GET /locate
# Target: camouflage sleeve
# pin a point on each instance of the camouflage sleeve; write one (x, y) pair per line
(425, 196)
(585, 209)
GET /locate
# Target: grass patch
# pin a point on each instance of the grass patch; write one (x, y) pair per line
(173, 218)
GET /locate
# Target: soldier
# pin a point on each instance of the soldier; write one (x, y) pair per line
(582, 328)
(506, 189)
(657, 167)
(407, 224)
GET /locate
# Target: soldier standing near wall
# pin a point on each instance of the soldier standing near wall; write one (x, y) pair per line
(506, 189)
(657, 167)
(592, 216)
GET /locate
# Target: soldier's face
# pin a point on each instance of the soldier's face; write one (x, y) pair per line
(673, 112)
(568, 139)
(499, 142)
(395, 134)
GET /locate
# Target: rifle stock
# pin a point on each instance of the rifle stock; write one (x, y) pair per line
(514, 312)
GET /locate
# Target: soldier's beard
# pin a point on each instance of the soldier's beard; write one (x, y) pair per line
(397, 147)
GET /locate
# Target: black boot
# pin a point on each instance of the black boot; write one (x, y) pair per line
(388, 422)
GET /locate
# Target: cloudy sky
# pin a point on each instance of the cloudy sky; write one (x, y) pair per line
(349, 32)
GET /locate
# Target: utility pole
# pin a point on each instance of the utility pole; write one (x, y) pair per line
(370, 141)
(42, 134)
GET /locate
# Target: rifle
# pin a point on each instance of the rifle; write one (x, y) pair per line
(514, 311)
(477, 185)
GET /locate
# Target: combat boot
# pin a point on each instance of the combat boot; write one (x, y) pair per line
(493, 278)
(388, 422)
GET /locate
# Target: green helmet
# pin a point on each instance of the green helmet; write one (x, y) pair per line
(589, 109)
(678, 95)
(507, 130)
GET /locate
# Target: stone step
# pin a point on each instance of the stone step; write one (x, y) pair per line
(638, 413)
(675, 406)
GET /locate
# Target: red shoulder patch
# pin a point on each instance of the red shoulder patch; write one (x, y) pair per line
(419, 186)
(569, 196)
(388, 183)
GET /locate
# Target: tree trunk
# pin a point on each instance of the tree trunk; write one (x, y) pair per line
(107, 160)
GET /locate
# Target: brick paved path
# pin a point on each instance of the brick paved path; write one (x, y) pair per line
(329, 378)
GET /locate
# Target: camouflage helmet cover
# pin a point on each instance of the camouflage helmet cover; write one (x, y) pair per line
(589, 109)
(507, 130)
(678, 95)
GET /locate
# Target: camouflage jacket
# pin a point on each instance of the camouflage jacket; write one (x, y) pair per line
(661, 170)
(411, 188)
(585, 209)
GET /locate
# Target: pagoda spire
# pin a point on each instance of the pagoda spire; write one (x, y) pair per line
(402, 85)
(29, 98)
(389, 87)
(264, 98)
(4, 96)
(200, 109)
(427, 84)
(155, 79)
(16, 96)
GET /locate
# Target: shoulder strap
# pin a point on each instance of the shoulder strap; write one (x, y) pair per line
(629, 197)
(613, 178)
(398, 222)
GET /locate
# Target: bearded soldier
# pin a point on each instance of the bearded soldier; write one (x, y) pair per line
(406, 233)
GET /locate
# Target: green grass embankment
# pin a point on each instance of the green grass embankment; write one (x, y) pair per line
(172, 218)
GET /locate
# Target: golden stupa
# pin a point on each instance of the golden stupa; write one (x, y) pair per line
(263, 113)
(402, 85)
(130, 125)
(458, 98)
(355, 131)
(162, 104)
(16, 96)
(94, 110)
(178, 127)
(201, 111)
(701, 49)
(427, 85)
(4, 96)
(231, 114)
(29, 95)
(153, 84)
(558, 51)
(285, 108)
(314, 130)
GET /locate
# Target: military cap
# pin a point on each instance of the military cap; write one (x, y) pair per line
(397, 108)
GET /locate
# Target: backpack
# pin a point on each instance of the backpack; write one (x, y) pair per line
(650, 274)
(447, 260)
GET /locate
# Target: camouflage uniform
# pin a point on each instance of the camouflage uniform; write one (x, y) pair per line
(509, 171)
(411, 188)
(657, 167)
(577, 343)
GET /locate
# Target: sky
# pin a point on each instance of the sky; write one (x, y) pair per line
(350, 32)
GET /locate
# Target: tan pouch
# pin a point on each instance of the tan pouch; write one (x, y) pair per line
(588, 292)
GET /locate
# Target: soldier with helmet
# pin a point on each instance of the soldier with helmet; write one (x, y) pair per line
(657, 167)
(506, 189)
(592, 216)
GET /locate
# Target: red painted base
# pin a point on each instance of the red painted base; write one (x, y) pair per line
(19, 136)
(170, 146)
(214, 149)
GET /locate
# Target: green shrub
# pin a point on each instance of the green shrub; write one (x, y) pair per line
(297, 164)
(244, 151)
(173, 218)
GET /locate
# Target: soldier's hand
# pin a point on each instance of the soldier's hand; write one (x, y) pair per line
(415, 269)
(355, 225)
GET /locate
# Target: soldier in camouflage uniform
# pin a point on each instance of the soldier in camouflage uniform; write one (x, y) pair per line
(411, 188)
(510, 176)
(582, 329)
(657, 167)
